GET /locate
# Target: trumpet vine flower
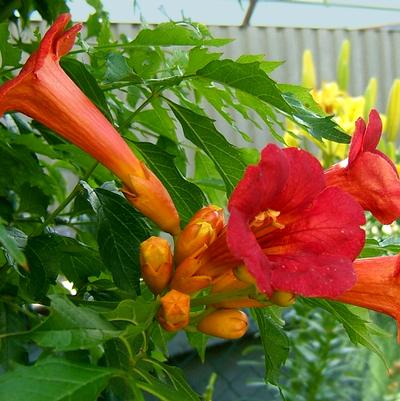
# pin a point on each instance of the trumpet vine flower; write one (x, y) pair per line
(45, 93)
(368, 174)
(292, 232)
(377, 286)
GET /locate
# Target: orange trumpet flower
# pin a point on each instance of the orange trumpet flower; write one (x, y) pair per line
(45, 93)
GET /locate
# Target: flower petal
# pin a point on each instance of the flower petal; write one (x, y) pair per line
(261, 183)
(312, 275)
(305, 181)
(373, 132)
(357, 140)
(330, 225)
(243, 245)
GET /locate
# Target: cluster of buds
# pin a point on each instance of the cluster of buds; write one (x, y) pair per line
(181, 277)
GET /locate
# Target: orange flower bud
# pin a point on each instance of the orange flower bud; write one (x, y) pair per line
(202, 229)
(283, 298)
(194, 238)
(156, 263)
(244, 275)
(211, 214)
(187, 280)
(224, 323)
(227, 282)
(174, 310)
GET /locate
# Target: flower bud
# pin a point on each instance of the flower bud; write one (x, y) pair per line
(174, 310)
(202, 229)
(309, 79)
(283, 298)
(211, 214)
(195, 237)
(156, 263)
(224, 323)
(244, 275)
(187, 280)
(392, 112)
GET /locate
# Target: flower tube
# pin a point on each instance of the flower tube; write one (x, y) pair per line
(377, 286)
(45, 93)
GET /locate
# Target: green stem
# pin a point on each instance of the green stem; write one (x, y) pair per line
(132, 116)
(225, 296)
(65, 202)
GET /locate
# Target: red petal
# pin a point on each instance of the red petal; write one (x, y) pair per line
(357, 140)
(261, 183)
(312, 275)
(305, 181)
(373, 132)
(330, 225)
(67, 40)
(243, 245)
(376, 186)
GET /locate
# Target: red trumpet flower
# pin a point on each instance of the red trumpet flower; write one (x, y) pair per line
(368, 174)
(44, 92)
(291, 232)
(377, 286)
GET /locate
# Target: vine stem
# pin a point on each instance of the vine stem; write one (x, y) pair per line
(226, 296)
(65, 202)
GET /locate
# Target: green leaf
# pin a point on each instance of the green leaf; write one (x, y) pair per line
(199, 57)
(318, 126)
(248, 77)
(11, 246)
(177, 34)
(138, 311)
(157, 120)
(208, 179)
(50, 255)
(117, 69)
(54, 379)
(266, 66)
(121, 229)
(10, 55)
(176, 389)
(356, 327)
(201, 131)
(188, 197)
(70, 327)
(275, 343)
(199, 342)
(87, 83)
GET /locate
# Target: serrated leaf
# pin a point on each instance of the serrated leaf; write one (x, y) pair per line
(177, 390)
(248, 77)
(275, 343)
(356, 328)
(54, 379)
(251, 79)
(266, 66)
(199, 342)
(137, 312)
(87, 83)
(121, 229)
(117, 69)
(70, 327)
(177, 34)
(198, 58)
(157, 120)
(11, 246)
(201, 131)
(188, 197)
